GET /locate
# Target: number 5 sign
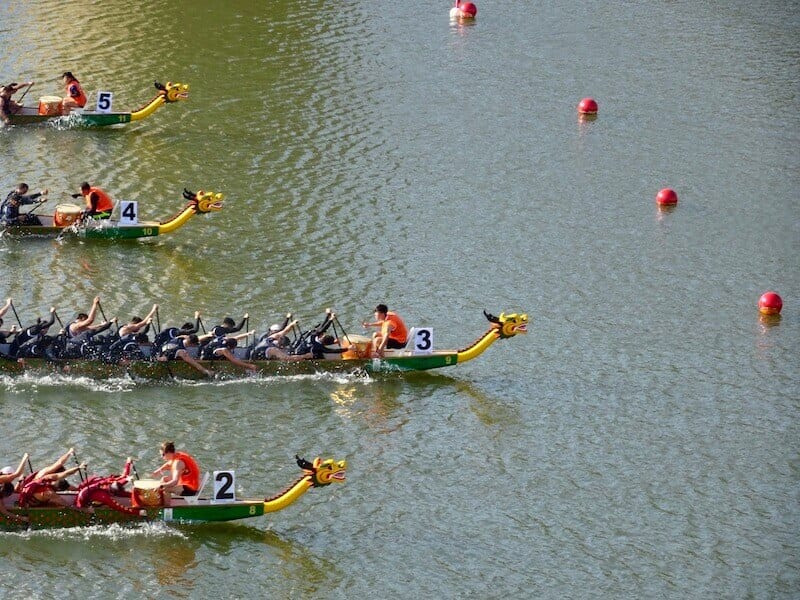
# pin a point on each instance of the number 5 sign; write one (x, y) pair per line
(104, 102)
(224, 486)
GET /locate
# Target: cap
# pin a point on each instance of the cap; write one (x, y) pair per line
(6, 470)
(274, 328)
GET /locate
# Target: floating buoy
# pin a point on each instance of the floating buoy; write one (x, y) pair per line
(463, 10)
(667, 197)
(770, 303)
(587, 106)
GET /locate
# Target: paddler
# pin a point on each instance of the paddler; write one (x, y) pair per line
(183, 478)
(392, 331)
(9, 209)
(75, 97)
(8, 106)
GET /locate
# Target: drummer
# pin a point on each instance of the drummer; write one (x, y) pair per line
(76, 97)
(183, 478)
(99, 204)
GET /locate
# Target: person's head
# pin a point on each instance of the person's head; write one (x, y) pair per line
(167, 449)
(82, 316)
(136, 320)
(381, 310)
(67, 76)
(328, 339)
(22, 189)
(274, 328)
(85, 187)
(228, 322)
(192, 340)
(231, 343)
(7, 90)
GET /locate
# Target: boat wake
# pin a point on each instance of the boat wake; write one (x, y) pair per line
(114, 532)
(25, 383)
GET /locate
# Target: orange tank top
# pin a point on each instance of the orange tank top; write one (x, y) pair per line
(75, 91)
(190, 476)
(104, 201)
(400, 332)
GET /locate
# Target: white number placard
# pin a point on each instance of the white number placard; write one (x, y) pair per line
(128, 212)
(224, 486)
(423, 340)
(104, 101)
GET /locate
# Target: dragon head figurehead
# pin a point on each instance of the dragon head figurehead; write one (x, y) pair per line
(204, 202)
(172, 92)
(508, 325)
(323, 472)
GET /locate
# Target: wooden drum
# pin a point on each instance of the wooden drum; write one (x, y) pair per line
(147, 492)
(50, 105)
(66, 214)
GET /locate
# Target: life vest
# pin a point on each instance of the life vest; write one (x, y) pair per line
(104, 201)
(400, 332)
(75, 91)
(190, 476)
(30, 489)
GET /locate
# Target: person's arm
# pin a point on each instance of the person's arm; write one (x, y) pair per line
(229, 355)
(56, 465)
(242, 336)
(285, 331)
(4, 308)
(32, 198)
(162, 468)
(175, 475)
(62, 474)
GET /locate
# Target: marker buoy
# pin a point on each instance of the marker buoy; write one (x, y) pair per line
(667, 197)
(587, 106)
(770, 303)
(463, 10)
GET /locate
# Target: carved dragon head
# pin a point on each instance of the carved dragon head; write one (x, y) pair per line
(323, 472)
(173, 92)
(204, 202)
(508, 325)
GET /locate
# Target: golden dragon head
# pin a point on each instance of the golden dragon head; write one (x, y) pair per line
(508, 325)
(173, 92)
(323, 472)
(204, 202)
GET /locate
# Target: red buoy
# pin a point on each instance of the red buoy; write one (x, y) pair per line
(587, 106)
(468, 9)
(667, 197)
(770, 303)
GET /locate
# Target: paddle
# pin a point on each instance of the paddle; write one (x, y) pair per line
(16, 315)
(158, 322)
(19, 100)
(135, 472)
(80, 471)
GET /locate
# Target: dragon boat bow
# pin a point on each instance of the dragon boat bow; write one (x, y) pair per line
(144, 504)
(167, 94)
(66, 221)
(356, 358)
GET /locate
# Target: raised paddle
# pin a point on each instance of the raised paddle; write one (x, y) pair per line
(15, 314)
(80, 471)
(30, 85)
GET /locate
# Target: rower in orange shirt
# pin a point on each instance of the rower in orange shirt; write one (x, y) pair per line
(393, 333)
(99, 204)
(184, 473)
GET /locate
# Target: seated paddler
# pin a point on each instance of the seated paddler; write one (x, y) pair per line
(99, 204)
(9, 209)
(7, 477)
(182, 472)
(8, 106)
(74, 97)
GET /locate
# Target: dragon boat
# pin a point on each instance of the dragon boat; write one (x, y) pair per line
(44, 113)
(66, 220)
(146, 503)
(356, 357)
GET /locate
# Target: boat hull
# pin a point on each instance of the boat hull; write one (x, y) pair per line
(85, 119)
(178, 369)
(111, 231)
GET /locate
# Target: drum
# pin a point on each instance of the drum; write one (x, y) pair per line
(50, 105)
(147, 492)
(66, 214)
(358, 348)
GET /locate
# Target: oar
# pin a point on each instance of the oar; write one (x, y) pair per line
(16, 315)
(203, 327)
(135, 472)
(19, 100)
(80, 472)
(60, 324)
(158, 322)
(30, 466)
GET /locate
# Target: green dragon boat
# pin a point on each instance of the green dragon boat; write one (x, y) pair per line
(219, 505)
(167, 94)
(66, 221)
(356, 358)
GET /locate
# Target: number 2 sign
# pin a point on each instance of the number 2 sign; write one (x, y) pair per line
(224, 486)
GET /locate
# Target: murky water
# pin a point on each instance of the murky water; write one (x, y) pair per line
(640, 441)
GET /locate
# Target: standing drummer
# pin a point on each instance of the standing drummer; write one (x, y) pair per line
(184, 474)
(9, 209)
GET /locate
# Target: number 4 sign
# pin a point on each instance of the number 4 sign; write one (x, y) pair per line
(104, 100)
(224, 486)
(128, 212)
